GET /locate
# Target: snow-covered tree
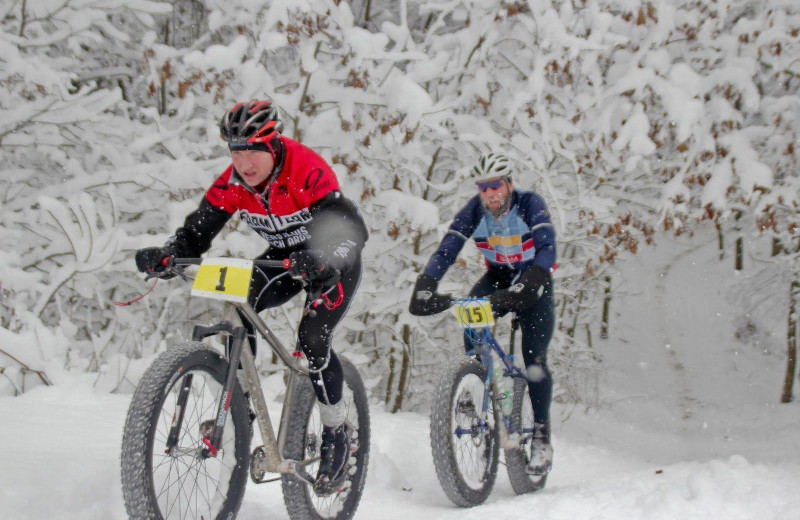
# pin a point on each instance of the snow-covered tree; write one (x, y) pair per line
(631, 119)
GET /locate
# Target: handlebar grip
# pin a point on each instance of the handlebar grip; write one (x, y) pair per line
(287, 263)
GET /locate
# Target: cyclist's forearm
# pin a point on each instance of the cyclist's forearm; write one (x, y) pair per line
(198, 230)
(445, 255)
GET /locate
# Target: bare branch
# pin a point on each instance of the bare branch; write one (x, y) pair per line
(26, 368)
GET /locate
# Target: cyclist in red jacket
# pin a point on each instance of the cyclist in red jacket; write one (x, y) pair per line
(290, 196)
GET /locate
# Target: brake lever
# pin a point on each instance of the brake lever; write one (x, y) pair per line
(314, 292)
(181, 272)
(170, 269)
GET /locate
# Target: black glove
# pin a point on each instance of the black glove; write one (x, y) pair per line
(152, 260)
(425, 301)
(314, 266)
(528, 289)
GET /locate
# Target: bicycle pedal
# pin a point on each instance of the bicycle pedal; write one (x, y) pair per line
(257, 473)
(539, 472)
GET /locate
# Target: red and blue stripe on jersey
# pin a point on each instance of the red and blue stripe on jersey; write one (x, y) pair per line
(523, 237)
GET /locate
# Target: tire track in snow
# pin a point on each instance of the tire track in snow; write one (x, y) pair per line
(685, 400)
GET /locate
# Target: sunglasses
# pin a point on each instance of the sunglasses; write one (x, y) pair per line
(493, 184)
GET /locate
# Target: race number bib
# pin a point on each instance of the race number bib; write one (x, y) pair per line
(475, 314)
(223, 279)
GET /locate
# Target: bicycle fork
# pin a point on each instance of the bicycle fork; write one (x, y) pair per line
(211, 433)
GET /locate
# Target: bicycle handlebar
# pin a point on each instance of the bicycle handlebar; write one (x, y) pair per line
(173, 266)
(282, 264)
(458, 301)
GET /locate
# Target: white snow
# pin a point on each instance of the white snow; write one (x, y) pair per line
(658, 113)
(687, 427)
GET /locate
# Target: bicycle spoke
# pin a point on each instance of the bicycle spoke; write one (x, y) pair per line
(470, 448)
(182, 489)
(192, 492)
(194, 471)
(187, 484)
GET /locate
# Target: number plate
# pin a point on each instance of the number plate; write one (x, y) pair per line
(475, 314)
(223, 279)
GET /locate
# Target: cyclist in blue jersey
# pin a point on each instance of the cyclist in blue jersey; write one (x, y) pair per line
(512, 229)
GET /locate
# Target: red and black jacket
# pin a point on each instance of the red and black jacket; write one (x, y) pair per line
(300, 208)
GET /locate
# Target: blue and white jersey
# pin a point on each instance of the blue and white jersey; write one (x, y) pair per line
(522, 237)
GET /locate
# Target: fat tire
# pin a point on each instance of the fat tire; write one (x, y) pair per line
(517, 459)
(442, 434)
(297, 494)
(144, 413)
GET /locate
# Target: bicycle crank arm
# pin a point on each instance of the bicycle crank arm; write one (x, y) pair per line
(259, 467)
(298, 469)
(507, 441)
(288, 466)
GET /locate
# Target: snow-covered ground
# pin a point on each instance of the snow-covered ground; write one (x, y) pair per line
(688, 426)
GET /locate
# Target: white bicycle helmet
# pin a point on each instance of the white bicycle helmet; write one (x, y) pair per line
(492, 164)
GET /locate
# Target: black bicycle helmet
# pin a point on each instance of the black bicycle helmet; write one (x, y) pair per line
(251, 125)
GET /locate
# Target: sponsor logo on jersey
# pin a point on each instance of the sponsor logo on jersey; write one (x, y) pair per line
(275, 228)
(313, 178)
(315, 182)
(276, 223)
(344, 249)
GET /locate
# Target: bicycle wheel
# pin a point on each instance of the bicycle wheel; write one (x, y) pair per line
(184, 483)
(303, 439)
(465, 452)
(517, 459)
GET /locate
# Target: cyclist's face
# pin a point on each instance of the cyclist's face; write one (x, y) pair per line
(494, 194)
(254, 166)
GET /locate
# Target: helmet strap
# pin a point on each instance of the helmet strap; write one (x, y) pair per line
(272, 152)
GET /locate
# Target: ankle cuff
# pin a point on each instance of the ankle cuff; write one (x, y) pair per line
(332, 415)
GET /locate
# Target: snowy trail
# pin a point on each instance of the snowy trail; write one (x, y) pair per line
(639, 456)
(685, 401)
(61, 462)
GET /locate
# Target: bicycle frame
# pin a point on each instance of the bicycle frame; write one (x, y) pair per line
(485, 343)
(273, 461)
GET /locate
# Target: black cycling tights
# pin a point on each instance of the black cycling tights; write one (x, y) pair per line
(274, 287)
(536, 323)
